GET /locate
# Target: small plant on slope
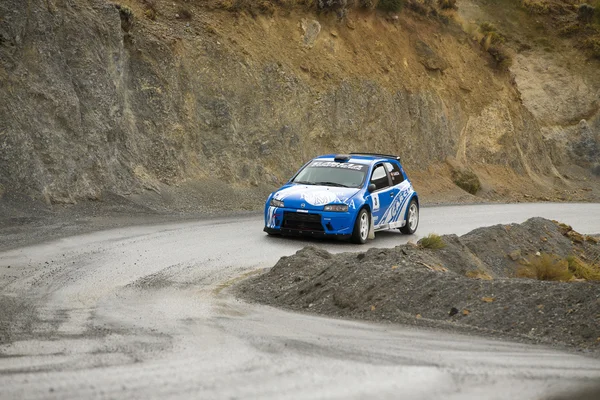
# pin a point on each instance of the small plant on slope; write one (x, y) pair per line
(546, 267)
(432, 241)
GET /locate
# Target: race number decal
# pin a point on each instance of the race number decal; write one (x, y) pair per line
(375, 198)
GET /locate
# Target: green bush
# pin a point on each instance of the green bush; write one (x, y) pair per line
(390, 5)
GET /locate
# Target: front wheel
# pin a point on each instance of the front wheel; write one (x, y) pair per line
(412, 218)
(361, 227)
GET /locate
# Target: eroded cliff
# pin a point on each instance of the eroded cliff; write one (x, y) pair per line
(216, 108)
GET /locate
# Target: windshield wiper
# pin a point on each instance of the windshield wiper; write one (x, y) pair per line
(331, 184)
(304, 182)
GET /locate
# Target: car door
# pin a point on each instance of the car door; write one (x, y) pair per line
(383, 194)
(394, 217)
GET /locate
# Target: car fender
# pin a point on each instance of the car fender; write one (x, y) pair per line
(413, 196)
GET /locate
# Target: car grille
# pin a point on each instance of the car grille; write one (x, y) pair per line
(302, 221)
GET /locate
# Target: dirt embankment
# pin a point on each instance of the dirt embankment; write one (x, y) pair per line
(171, 108)
(469, 284)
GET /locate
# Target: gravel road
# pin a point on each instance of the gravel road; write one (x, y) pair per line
(145, 312)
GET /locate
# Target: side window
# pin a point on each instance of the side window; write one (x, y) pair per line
(379, 177)
(395, 173)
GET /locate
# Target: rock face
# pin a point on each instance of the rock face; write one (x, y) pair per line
(557, 82)
(96, 98)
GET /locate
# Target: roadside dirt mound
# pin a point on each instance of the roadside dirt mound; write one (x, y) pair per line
(471, 284)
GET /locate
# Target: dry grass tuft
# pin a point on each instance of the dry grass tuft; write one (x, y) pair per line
(583, 270)
(478, 274)
(432, 241)
(546, 267)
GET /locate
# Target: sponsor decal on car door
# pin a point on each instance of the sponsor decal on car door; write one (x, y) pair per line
(384, 200)
(375, 198)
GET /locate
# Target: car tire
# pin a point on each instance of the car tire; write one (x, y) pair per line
(412, 218)
(362, 225)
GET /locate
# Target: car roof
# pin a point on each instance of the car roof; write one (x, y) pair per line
(359, 158)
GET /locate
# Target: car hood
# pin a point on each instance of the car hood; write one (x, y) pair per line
(312, 197)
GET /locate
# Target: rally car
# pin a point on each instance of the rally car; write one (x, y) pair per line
(344, 196)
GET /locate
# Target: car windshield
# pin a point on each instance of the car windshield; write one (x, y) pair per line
(329, 173)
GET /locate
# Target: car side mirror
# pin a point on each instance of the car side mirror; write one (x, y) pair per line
(371, 187)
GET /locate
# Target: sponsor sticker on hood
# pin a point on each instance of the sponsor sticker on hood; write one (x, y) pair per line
(316, 195)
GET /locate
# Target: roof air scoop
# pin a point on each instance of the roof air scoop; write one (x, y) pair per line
(342, 157)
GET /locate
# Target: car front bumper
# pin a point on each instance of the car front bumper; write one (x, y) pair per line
(305, 233)
(315, 223)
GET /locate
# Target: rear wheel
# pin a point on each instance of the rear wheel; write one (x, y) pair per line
(361, 227)
(412, 218)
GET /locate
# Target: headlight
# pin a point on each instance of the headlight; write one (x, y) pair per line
(336, 207)
(276, 203)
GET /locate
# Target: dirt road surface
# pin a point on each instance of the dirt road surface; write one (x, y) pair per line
(145, 312)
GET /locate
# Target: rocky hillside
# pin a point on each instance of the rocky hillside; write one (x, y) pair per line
(200, 104)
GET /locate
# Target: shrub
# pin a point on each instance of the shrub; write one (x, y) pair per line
(432, 241)
(126, 15)
(466, 180)
(184, 13)
(150, 14)
(546, 267)
(569, 30)
(447, 4)
(536, 7)
(478, 274)
(501, 56)
(582, 270)
(487, 27)
(593, 44)
(585, 13)
(418, 7)
(332, 4)
(150, 11)
(390, 5)
(368, 4)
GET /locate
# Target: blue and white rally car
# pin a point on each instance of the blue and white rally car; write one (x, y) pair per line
(344, 196)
